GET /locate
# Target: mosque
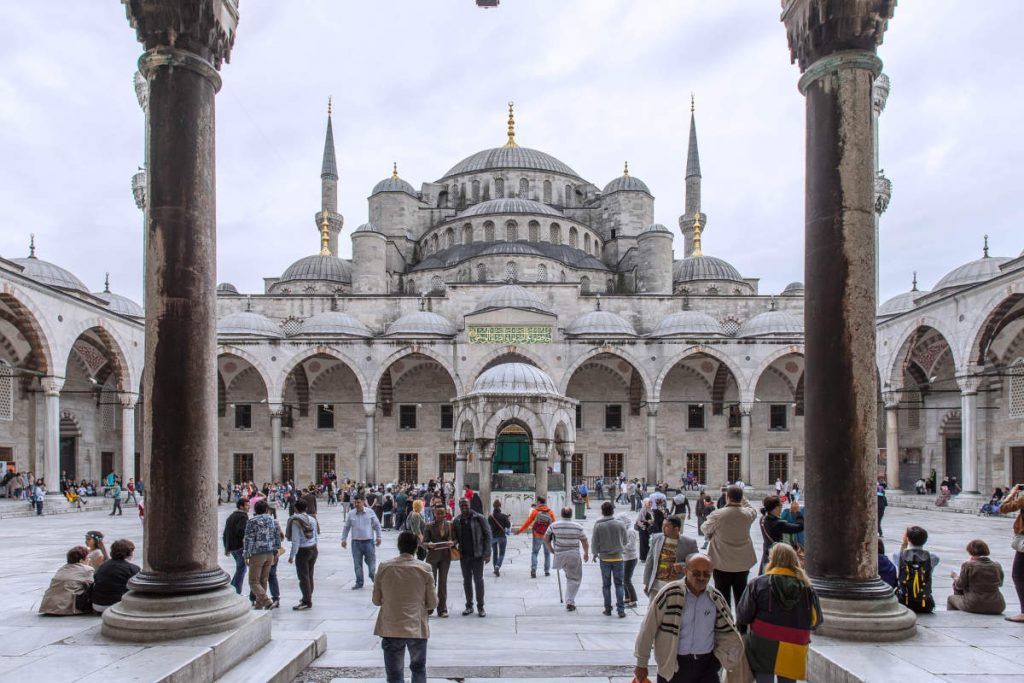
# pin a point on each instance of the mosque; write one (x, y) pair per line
(513, 317)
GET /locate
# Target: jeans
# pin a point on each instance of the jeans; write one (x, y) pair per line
(538, 543)
(39, 508)
(733, 583)
(612, 571)
(498, 544)
(473, 576)
(364, 551)
(699, 669)
(117, 506)
(239, 576)
(771, 678)
(394, 659)
(1017, 574)
(627, 580)
(305, 561)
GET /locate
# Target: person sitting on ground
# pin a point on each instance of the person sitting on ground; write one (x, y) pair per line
(70, 590)
(886, 569)
(976, 587)
(111, 579)
(97, 550)
(921, 486)
(915, 565)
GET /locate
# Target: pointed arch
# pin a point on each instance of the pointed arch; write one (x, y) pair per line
(697, 350)
(766, 362)
(115, 347)
(907, 338)
(257, 363)
(515, 413)
(1000, 314)
(370, 396)
(622, 354)
(28, 319)
(328, 351)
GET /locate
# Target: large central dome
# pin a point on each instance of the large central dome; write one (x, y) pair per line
(520, 158)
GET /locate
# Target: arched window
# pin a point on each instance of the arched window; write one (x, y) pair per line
(499, 188)
(489, 231)
(481, 272)
(410, 287)
(534, 230)
(442, 198)
(609, 286)
(433, 244)
(556, 233)
(568, 195)
(449, 238)
(462, 196)
(476, 191)
(574, 237)
(584, 285)
(562, 277)
(1017, 388)
(547, 191)
(524, 188)
(511, 271)
(6, 391)
(586, 242)
(511, 231)
(436, 285)
(467, 234)
(542, 273)
(485, 194)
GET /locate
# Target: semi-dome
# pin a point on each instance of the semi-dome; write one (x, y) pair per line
(226, 289)
(772, 323)
(394, 184)
(656, 227)
(334, 322)
(603, 323)
(247, 323)
(626, 183)
(901, 303)
(50, 274)
(422, 323)
(971, 273)
(693, 268)
(794, 289)
(510, 205)
(520, 158)
(688, 323)
(511, 296)
(121, 305)
(317, 267)
(514, 378)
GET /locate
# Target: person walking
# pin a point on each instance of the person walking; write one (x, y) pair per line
(365, 529)
(1014, 502)
(415, 523)
(115, 493)
(630, 555)
(472, 535)
(644, 523)
(541, 517)
(608, 543)
(259, 546)
(501, 525)
(691, 629)
(882, 501)
(773, 527)
(730, 548)
(438, 539)
(130, 488)
(564, 539)
(303, 530)
(781, 609)
(667, 558)
(234, 539)
(404, 591)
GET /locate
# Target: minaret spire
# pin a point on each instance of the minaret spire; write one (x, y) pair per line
(984, 249)
(328, 214)
(692, 166)
(697, 251)
(329, 169)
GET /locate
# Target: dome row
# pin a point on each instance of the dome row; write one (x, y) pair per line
(970, 273)
(61, 278)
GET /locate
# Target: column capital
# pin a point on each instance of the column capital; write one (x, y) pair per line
(486, 447)
(370, 409)
(891, 398)
(51, 385)
(205, 28)
(173, 57)
(833, 63)
(746, 408)
(276, 410)
(818, 28)
(969, 384)
(127, 400)
(652, 408)
(880, 93)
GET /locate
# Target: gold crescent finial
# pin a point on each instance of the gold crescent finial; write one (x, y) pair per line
(394, 170)
(696, 235)
(325, 236)
(511, 126)
(329, 107)
(625, 169)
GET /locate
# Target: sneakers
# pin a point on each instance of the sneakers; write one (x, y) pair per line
(443, 615)
(302, 606)
(608, 612)
(466, 612)
(570, 608)
(276, 603)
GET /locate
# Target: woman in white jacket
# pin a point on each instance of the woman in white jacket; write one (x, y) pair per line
(630, 555)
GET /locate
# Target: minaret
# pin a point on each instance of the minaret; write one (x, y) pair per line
(329, 188)
(691, 211)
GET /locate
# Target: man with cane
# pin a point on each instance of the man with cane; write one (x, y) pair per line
(564, 539)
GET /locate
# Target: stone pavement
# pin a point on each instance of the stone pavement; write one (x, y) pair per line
(527, 633)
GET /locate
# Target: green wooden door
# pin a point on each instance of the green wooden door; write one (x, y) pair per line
(512, 453)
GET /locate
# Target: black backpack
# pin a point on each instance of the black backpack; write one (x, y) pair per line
(914, 585)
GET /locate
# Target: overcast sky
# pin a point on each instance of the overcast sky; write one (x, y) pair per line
(595, 82)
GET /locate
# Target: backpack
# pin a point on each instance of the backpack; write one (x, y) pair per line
(914, 586)
(541, 522)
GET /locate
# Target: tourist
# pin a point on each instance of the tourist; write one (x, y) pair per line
(585, 494)
(781, 609)
(415, 523)
(705, 506)
(111, 579)
(608, 543)
(681, 505)
(115, 494)
(234, 541)
(644, 525)
(259, 545)
(564, 539)
(942, 500)
(1014, 502)
(915, 566)
(472, 535)
(667, 557)
(303, 531)
(773, 527)
(882, 502)
(70, 589)
(690, 626)
(976, 587)
(97, 550)
(630, 554)
(886, 569)
(310, 497)
(405, 594)
(366, 533)
(920, 486)
(438, 539)
(39, 495)
(501, 525)
(730, 548)
(541, 517)
(130, 488)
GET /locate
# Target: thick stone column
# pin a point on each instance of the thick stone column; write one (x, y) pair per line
(486, 456)
(181, 591)
(969, 424)
(461, 453)
(276, 415)
(745, 473)
(891, 399)
(540, 467)
(835, 42)
(568, 448)
(368, 466)
(653, 469)
(51, 431)
(128, 436)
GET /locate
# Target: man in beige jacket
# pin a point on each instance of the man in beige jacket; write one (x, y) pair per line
(731, 549)
(404, 591)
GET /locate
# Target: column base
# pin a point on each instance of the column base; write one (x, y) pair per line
(147, 618)
(879, 620)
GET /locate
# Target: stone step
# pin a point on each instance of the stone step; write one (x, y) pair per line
(280, 660)
(962, 504)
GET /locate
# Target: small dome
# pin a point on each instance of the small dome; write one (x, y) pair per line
(316, 267)
(771, 323)
(694, 268)
(367, 227)
(226, 289)
(626, 183)
(510, 157)
(971, 273)
(334, 322)
(121, 305)
(511, 296)
(495, 206)
(514, 378)
(393, 184)
(511, 249)
(604, 323)
(656, 227)
(249, 324)
(901, 303)
(50, 274)
(688, 323)
(794, 289)
(422, 323)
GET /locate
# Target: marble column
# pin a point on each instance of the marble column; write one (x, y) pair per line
(368, 465)
(567, 452)
(969, 424)
(745, 474)
(540, 467)
(276, 415)
(835, 42)
(654, 472)
(891, 400)
(51, 431)
(128, 402)
(181, 590)
(461, 453)
(486, 450)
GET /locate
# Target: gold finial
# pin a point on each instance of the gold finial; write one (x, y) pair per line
(325, 236)
(696, 235)
(693, 104)
(32, 245)
(329, 98)
(625, 169)
(984, 249)
(394, 170)
(511, 127)
(106, 283)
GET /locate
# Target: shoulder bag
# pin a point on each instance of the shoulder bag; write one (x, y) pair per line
(454, 553)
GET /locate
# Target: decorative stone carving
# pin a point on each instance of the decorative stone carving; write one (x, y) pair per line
(816, 28)
(203, 27)
(880, 93)
(139, 181)
(142, 91)
(883, 192)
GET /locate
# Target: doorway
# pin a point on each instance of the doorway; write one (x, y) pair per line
(68, 451)
(512, 451)
(954, 465)
(1016, 465)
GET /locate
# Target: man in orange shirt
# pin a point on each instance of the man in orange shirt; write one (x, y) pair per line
(541, 517)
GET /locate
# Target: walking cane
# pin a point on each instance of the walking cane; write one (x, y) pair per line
(558, 576)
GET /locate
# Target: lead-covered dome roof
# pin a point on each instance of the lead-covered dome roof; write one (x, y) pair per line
(510, 205)
(226, 289)
(688, 323)
(422, 323)
(901, 303)
(121, 305)
(772, 323)
(626, 183)
(971, 273)
(317, 267)
(794, 289)
(511, 296)
(394, 184)
(516, 379)
(693, 268)
(603, 323)
(519, 158)
(334, 322)
(50, 274)
(247, 323)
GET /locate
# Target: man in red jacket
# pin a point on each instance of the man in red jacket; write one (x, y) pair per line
(541, 517)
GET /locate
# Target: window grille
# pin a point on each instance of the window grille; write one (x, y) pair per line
(1017, 388)
(6, 391)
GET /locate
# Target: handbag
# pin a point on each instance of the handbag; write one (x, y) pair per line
(455, 553)
(1018, 543)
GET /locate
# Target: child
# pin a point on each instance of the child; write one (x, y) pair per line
(915, 566)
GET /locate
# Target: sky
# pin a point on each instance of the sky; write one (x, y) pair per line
(425, 84)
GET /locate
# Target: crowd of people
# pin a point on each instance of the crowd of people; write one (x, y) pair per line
(24, 486)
